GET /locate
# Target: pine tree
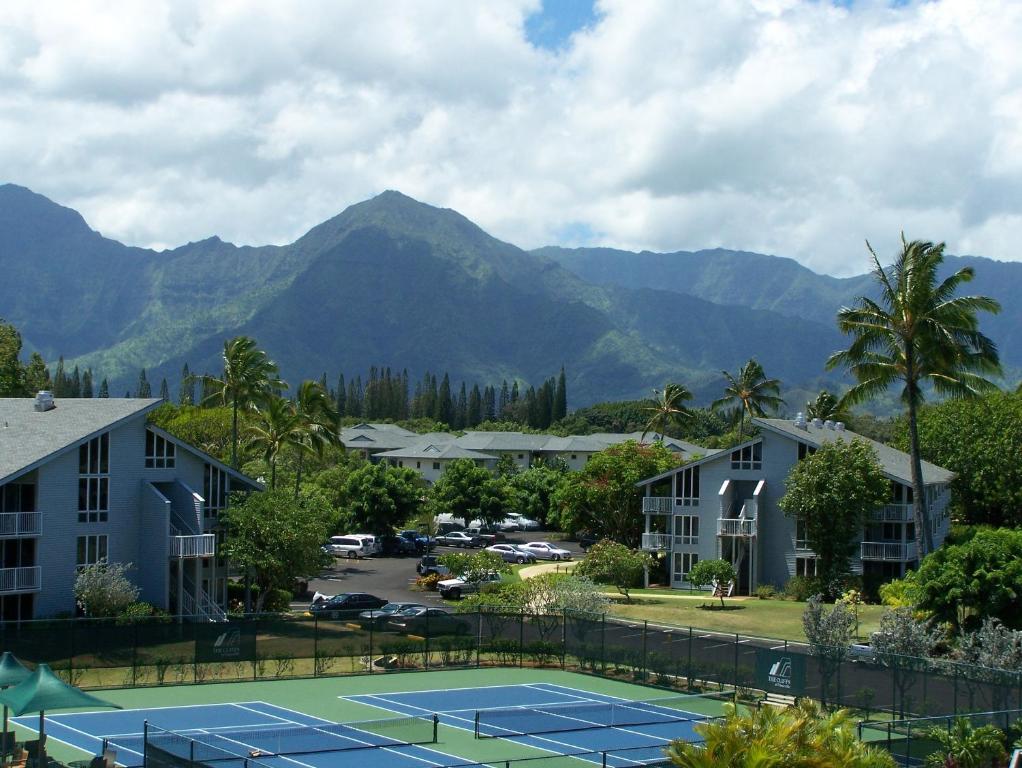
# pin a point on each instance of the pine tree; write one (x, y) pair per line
(444, 412)
(60, 386)
(461, 408)
(37, 375)
(208, 389)
(489, 404)
(186, 392)
(561, 398)
(505, 400)
(475, 407)
(164, 391)
(104, 389)
(143, 389)
(342, 394)
(87, 383)
(74, 384)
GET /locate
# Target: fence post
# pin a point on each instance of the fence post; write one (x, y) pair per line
(689, 674)
(734, 680)
(315, 645)
(145, 743)
(134, 651)
(425, 651)
(564, 637)
(372, 639)
(955, 707)
(603, 644)
(71, 653)
(479, 632)
(645, 634)
(521, 637)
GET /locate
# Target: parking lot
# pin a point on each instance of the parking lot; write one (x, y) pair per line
(392, 578)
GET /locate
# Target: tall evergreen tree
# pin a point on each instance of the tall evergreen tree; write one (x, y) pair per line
(12, 373)
(143, 389)
(186, 392)
(209, 390)
(164, 390)
(561, 397)
(504, 401)
(461, 408)
(104, 389)
(87, 383)
(475, 407)
(444, 412)
(342, 395)
(37, 375)
(489, 404)
(514, 393)
(60, 379)
(74, 383)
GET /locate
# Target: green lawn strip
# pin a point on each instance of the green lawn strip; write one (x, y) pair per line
(780, 619)
(322, 697)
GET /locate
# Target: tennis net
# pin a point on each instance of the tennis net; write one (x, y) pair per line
(228, 745)
(503, 722)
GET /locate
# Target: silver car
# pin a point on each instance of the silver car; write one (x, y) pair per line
(544, 550)
(512, 554)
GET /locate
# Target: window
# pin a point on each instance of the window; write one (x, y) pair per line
(17, 497)
(749, 457)
(804, 449)
(805, 566)
(574, 456)
(94, 480)
(214, 490)
(418, 465)
(436, 465)
(160, 453)
(522, 456)
(800, 534)
(687, 488)
(683, 564)
(401, 463)
(686, 529)
(91, 550)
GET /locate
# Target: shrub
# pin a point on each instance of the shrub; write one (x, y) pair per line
(277, 601)
(801, 588)
(766, 591)
(428, 582)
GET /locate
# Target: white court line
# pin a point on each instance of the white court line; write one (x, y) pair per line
(68, 743)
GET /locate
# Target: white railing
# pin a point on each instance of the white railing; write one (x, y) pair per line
(656, 541)
(750, 509)
(21, 523)
(883, 550)
(203, 607)
(657, 505)
(25, 579)
(201, 545)
(736, 526)
(209, 609)
(893, 513)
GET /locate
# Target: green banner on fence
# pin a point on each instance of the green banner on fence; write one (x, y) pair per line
(780, 671)
(225, 642)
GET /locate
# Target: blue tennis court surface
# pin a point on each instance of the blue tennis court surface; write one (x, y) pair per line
(554, 718)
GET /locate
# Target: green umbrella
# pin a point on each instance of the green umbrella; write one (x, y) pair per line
(43, 690)
(12, 672)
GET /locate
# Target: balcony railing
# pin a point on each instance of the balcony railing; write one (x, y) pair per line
(25, 579)
(735, 526)
(201, 545)
(893, 513)
(21, 524)
(656, 541)
(882, 550)
(657, 505)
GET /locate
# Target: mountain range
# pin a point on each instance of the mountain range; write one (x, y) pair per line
(395, 282)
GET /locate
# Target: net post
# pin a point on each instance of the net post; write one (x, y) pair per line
(436, 727)
(145, 744)
(477, 724)
(604, 764)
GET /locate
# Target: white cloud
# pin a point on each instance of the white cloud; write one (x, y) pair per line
(796, 128)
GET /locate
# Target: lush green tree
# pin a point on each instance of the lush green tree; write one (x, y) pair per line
(277, 428)
(829, 632)
(247, 376)
(104, 589)
(966, 746)
(208, 429)
(715, 573)
(802, 736)
(901, 644)
(186, 390)
(379, 497)
(142, 389)
(467, 492)
(751, 392)
(560, 592)
(667, 410)
(602, 497)
(980, 440)
(833, 492)
(992, 645)
(826, 407)
(87, 383)
(536, 488)
(104, 389)
(560, 407)
(981, 577)
(275, 538)
(319, 423)
(12, 373)
(473, 567)
(609, 562)
(919, 333)
(37, 375)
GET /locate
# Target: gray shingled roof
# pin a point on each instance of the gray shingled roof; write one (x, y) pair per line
(579, 443)
(29, 438)
(434, 451)
(672, 443)
(894, 462)
(502, 441)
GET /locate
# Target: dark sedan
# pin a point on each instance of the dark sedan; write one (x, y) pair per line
(347, 605)
(378, 618)
(428, 621)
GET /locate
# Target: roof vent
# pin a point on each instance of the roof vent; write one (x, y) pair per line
(818, 423)
(800, 420)
(839, 426)
(828, 424)
(44, 401)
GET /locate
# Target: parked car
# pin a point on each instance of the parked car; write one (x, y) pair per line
(453, 589)
(346, 605)
(447, 526)
(346, 546)
(527, 524)
(425, 621)
(371, 541)
(422, 542)
(396, 545)
(512, 554)
(517, 522)
(586, 540)
(379, 617)
(544, 550)
(459, 539)
(487, 534)
(428, 564)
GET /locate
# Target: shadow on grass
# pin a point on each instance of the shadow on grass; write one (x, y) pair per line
(709, 607)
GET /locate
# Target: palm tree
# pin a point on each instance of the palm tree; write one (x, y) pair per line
(667, 409)
(918, 333)
(750, 390)
(318, 420)
(279, 427)
(826, 407)
(962, 746)
(248, 375)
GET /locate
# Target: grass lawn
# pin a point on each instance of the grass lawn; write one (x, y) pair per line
(745, 615)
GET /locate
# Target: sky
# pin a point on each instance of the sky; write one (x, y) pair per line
(794, 128)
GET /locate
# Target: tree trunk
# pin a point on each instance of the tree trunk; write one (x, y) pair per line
(298, 475)
(924, 534)
(273, 475)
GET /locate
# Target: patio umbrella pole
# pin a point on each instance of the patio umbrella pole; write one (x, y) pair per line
(3, 747)
(42, 740)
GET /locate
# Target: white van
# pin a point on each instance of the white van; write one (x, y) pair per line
(347, 546)
(373, 544)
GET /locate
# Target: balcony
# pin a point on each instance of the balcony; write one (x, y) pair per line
(201, 545)
(26, 579)
(736, 526)
(656, 541)
(657, 505)
(20, 524)
(893, 513)
(889, 551)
